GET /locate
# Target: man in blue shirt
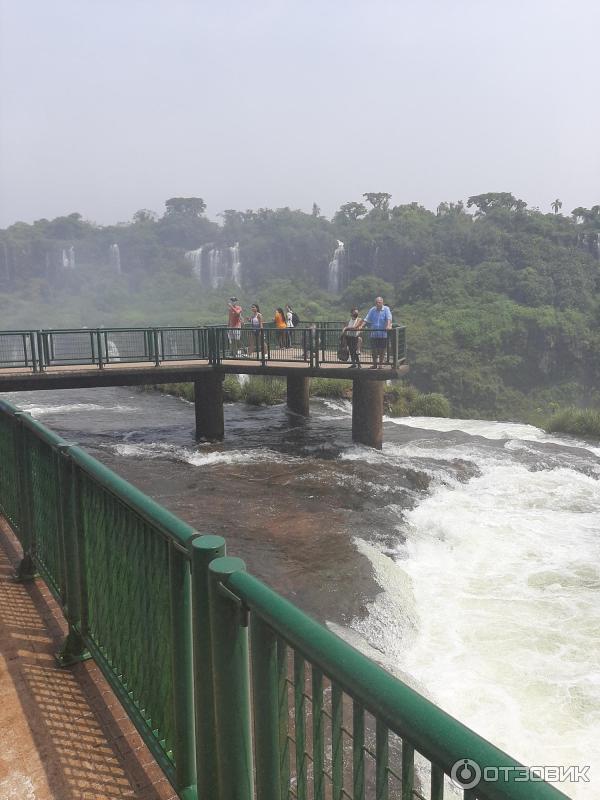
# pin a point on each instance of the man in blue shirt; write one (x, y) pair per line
(379, 322)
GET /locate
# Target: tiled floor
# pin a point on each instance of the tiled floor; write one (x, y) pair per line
(63, 734)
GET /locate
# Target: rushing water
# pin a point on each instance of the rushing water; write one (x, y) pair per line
(465, 556)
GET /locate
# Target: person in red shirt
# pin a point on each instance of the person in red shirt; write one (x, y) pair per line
(235, 325)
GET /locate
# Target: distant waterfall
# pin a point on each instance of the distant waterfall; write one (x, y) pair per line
(215, 270)
(214, 266)
(195, 258)
(113, 352)
(115, 258)
(68, 258)
(236, 264)
(335, 275)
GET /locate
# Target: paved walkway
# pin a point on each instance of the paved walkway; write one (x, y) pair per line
(63, 734)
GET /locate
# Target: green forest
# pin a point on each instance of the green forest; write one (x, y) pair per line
(501, 301)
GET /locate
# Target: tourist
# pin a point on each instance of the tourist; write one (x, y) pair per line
(289, 321)
(379, 322)
(353, 337)
(256, 320)
(281, 325)
(234, 324)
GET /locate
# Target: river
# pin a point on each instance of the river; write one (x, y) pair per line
(465, 556)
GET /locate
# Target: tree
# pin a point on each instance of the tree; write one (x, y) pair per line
(580, 214)
(493, 200)
(379, 200)
(556, 205)
(185, 206)
(445, 209)
(362, 291)
(351, 211)
(145, 215)
(316, 211)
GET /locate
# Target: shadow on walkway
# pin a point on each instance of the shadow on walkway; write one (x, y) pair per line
(63, 734)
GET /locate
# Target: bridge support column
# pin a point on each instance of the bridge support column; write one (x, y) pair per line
(208, 397)
(298, 394)
(367, 412)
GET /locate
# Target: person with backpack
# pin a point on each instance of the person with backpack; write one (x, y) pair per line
(290, 315)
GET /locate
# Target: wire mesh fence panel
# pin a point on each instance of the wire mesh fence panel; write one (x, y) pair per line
(183, 343)
(69, 347)
(126, 575)
(367, 347)
(288, 344)
(15, 349)
(9, 488)
(332, 748)
(122, 345)
(40, 463)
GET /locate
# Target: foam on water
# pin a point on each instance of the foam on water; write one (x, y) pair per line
(194, 457)
(41, 411)
(492, 430)
(492, 604)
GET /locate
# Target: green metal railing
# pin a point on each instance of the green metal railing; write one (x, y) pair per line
(314, 345)
(237, 693)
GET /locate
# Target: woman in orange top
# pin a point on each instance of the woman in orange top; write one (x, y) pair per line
(281, 325)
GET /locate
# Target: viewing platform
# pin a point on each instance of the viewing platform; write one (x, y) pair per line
(101, 357)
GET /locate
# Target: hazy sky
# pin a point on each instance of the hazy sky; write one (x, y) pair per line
(107, 107)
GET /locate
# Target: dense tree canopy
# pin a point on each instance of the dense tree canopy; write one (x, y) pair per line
(502, 301)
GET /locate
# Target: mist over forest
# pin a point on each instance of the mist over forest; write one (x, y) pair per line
(501, 300)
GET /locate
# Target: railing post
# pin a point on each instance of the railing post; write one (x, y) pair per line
(26, 570)
(99, 346)
(32, 343)
(263, 353)
(265, 684)
(74, 648)
(203, 550)
(40, 349)
(46, 347)
(180, 589)
(155, 345)
(229, 639)
(395, 348)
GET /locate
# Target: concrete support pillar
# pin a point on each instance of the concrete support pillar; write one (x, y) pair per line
(367, 412)
(298, 394)
(208, 394)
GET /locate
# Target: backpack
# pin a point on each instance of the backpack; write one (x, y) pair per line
(295, 319)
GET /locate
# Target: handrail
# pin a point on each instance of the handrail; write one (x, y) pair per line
(314, 344)
(434, 733)
(170, 526)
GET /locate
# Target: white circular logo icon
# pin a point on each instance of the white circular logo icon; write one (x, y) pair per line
(465, 773)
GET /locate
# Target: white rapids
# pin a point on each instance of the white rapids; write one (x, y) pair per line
(491, 603)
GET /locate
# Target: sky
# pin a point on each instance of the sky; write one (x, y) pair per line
(109, 107)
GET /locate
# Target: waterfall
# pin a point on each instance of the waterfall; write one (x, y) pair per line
(336, 270)
(195, 258)
(115, 257)
(236, 264)
(113, 352)
(215, 268)
(68, 257)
